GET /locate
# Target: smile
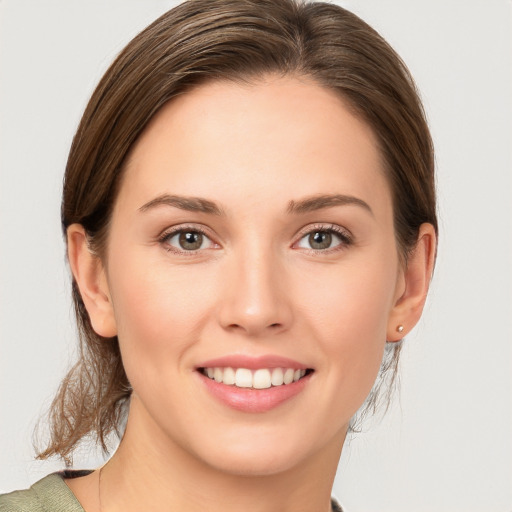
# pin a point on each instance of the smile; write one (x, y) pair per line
(261, 378)
(254, 384)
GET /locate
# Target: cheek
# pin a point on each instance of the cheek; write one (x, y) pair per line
(353, 303)
(159, 312)
(349, 319)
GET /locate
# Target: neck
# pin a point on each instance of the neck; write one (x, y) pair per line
(148, 472)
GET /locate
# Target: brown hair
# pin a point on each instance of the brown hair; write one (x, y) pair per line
(237, 40)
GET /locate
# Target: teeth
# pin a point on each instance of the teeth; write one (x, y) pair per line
(262, 378)
(288, 376)
(277, 377)
(243, 378)
(218, 374)
(229, 376)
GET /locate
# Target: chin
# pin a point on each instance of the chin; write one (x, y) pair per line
(266, 455)
(264, 463)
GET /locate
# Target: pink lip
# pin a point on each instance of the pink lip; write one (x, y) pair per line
(253, 363)
(253, 400)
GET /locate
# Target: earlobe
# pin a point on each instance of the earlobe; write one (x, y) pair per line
(90, 277)
(415, 283)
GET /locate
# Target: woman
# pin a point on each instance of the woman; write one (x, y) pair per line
(249, 210)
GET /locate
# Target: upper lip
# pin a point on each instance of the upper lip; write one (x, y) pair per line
(253, 363)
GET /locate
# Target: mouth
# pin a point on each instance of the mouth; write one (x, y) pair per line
(260, 378)
(254, 384)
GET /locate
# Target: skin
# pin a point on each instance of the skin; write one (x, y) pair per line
(255, 287)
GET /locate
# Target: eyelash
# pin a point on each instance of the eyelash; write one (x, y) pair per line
(345, 237)
(168, 234)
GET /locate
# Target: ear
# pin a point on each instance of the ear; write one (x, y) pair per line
(413, 284)
(91, 279)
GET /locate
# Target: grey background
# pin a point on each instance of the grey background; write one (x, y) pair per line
(446, 445)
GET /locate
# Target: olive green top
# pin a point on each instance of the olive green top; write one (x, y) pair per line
(51, 494)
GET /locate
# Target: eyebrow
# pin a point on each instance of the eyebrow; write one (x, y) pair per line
(313, 203)
(308, 204)
(191, 204)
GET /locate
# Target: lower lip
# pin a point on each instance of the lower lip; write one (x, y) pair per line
(254, 400)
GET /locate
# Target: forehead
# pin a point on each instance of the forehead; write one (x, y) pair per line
(277, 137)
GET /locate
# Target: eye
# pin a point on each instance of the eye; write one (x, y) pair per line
(187, 240)
(323, 239)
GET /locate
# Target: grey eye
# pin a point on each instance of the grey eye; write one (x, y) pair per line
(320, 239)
(189, 240)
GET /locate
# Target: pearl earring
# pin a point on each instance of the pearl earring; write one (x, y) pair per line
(400, 328)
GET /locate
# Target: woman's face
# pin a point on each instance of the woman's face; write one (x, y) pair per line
(252, 238)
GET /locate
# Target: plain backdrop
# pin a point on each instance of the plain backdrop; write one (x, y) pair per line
(446, 445)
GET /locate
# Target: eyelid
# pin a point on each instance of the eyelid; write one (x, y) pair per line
(173, 230)
(344, 234)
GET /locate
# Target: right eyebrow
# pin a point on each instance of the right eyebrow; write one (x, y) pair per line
(312, 203)
(188, 203)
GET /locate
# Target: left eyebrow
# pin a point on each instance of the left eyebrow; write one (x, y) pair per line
(313, 203)
(188, 203)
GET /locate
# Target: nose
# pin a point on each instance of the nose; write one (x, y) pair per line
(254, 299)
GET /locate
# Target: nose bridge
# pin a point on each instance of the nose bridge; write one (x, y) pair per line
(255, 298)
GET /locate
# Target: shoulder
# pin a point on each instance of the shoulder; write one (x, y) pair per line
(50, 494)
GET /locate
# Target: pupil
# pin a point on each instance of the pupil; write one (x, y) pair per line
(320, 240)
(191, 240)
